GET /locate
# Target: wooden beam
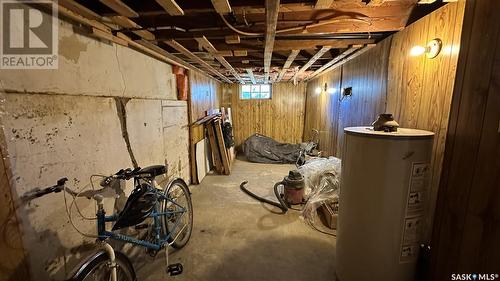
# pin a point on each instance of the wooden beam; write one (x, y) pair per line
(376, 2)
(76, 15)
(128, 23)
(323, 4)
(144, 46)
(82, 10)
(203, 41)
(121, 8)
(96, 32)
(356, 54)
(332, 62)
(222, 6)
(226, 53)
(272, 11)
(176, 45)
(308, 64)
(287, 64)
(232, 39)
(240, 53)
(163, 55)
(171, 7)
(250, 74)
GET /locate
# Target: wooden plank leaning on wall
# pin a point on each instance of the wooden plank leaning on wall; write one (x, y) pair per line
(467, 226)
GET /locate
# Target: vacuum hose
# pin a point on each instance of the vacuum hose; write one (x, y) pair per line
(280, 204)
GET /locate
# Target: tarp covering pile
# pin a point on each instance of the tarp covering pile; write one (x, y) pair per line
(262, 149)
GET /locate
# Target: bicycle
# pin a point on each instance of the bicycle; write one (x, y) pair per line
(170, 209)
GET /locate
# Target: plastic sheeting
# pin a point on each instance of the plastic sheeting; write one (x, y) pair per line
(262, 149)
(322, 183)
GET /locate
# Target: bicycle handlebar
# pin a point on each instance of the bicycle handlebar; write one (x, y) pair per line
(37, 192)
(124, 174)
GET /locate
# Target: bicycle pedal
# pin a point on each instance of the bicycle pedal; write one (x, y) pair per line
(174, 269)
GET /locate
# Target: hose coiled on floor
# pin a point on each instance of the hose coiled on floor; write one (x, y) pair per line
(280, 204)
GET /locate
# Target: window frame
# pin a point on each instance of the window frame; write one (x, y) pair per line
(260, 92)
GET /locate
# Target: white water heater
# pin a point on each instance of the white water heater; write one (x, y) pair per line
(382, 203)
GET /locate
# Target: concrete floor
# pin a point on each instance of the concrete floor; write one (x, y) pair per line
(237, 238)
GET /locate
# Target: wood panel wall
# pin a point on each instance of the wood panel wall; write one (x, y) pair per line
(326, 112)
(467, 226)
(417, 90)
(281, 117)
(204, 94)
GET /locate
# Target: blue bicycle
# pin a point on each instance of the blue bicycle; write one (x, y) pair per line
(168, 214)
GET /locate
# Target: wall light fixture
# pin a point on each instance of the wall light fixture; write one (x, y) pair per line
(431, 50)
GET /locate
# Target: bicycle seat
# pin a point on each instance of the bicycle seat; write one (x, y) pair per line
(152, 171)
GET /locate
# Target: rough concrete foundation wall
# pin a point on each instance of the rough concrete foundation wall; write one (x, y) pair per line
(105, 104)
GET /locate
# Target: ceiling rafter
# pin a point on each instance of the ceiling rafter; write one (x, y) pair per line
(287, 64)
(250, 74)
(128, 23)
(203, 41)
(222, 6)
(332, 62)
(272, 11)
(171, 7)
(323, 4)
(74, 12)
(356, 54)
(177, 46)
(313, 59)
(120, 7)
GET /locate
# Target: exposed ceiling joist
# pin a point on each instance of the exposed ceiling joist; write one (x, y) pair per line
(376, 2)
(314, 58)
(171, 7)
(240, 53)
(250, 74)
(84, 11)
(222, 6)
(232, 39)
(178, 61)
(356, 54)
(323, 4)
(120, 7)
(287, 64)
(203, 41)
(332, 62)
(174, 44)
(272, 11)
(128, 23)
(225, 53)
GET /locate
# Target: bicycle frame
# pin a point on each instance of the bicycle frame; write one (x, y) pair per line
(103, 234)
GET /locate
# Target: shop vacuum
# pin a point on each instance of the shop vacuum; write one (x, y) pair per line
(292, 194)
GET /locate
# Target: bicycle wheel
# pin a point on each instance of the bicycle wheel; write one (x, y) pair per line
(178, 192)
(96, 268)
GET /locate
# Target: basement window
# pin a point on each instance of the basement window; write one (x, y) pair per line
(256, 92)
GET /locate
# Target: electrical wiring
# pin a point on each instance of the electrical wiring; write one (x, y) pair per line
(73, 202)
(297, 28)
(68, 212)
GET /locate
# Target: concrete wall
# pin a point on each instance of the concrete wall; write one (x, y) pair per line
(71, 122)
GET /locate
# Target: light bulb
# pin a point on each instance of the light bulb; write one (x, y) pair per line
(317, 90)
(417, 51)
